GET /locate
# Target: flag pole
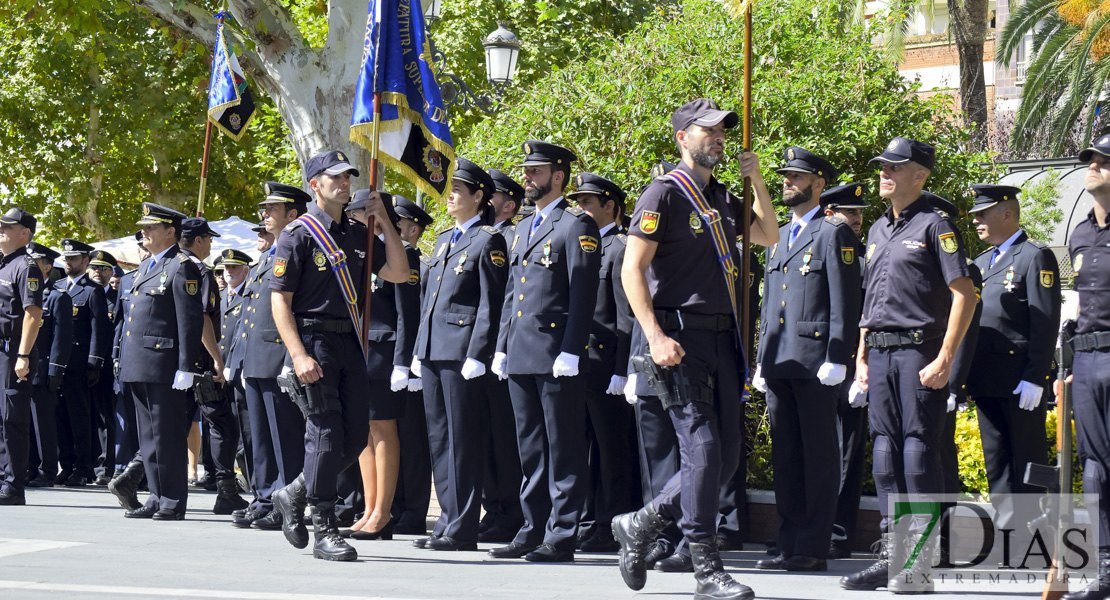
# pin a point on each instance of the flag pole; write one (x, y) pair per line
(374, 184)
(746, 244)
(207, 135)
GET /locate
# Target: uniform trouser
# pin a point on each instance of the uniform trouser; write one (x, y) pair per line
(222, 434)
(550, 417)
(1091, 391)
(709, 440)
(414, 478)
(906, 421)
(501, 491)
(277, 439)
(43, 457)
(460, 401)
(1012, 438)
(733, 510)
(162, 425)
(334, 439)
(659, 460)
(244, 453)
(127, 437)
(75, 423)
(15, 420)
(102, 426)
(853, 433)
(614, 472)
(805, 455)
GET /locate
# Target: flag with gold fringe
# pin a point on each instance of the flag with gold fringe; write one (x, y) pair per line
(230, 104)
(413, 135)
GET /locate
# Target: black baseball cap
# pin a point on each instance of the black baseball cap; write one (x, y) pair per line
(331, 162)
(704, 112)
(196, 227)
(849, 195)
(902, 150)
(1101, 146)
(799, 160)
(16, 215)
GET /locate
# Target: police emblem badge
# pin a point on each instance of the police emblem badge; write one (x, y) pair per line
(848, 255)
(191, 287)
(588, 243)
(32, 284)
(498, 258)
(649, 221)
(1047, 278)
(414, 277)
(319, 259)
(948, 242)
(279, 267)
(695, 222)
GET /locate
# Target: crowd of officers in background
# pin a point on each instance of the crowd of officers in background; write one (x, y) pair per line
(568, 378)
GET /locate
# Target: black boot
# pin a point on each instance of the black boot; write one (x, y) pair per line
(918, 577)
(290, 501)
(228, 498)
(635, 532)
(329, 544)
(125, 487)
(1099, 588)
(713, 582)
(874, 576)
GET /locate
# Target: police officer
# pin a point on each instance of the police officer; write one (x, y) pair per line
(847, 202)
(53, 344)
(686, 305)
(543, 350)
(160, 349)
(456, 340)
(276, 424)
(1088, 244)
(414, 490)
(811, 305)
(102, 397)
(501, 490)
(91, 344)
(237, 267)
(613, 484)
(21, 314)
(316, 317)
(918, 303)
(1017, 335)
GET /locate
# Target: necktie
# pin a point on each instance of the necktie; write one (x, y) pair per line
(795, 227)
(455, 236)
(535, 225)
(995, 256)
(150, 265)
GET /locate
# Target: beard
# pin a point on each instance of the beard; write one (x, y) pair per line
(703, 157)
(797, 198)
(74, 272)
(537, 191)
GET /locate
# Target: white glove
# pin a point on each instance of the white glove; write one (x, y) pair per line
(951, 403)
(616, 385)
(1030, 393)
(831, 374)
(399, 379)
(415, 385)
(472, 368)
(566, 365)
(964, 407)
(758, 382)
(183, 380)
(857, 397)
(227, 373)
(630, 388)
(415, 368)
(498, 366)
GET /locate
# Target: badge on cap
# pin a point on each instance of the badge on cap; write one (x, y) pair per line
(649, 221)
(146, 210)
(340, 156)
(790, 154)
(578, 181)
(948, 243)
(68, 247)
(527, 148)
(892, 145)
(859, 190)
(99, 256)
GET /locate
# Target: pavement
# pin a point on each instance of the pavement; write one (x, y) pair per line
(76, 544)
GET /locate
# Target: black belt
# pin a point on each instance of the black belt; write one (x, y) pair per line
(677, 319)
(1089, 342)
(325, 324)
(894, 339)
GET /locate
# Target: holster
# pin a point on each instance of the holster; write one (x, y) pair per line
(205, 389)
(310, 398)
(678, 385)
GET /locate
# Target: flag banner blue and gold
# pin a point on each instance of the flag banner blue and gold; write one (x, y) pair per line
(413, 136)
(230, 105)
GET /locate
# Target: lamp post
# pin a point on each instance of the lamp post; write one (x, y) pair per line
(502, 50)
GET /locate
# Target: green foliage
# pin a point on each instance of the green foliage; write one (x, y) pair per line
(1039, 213)
(973, 471)
(813, 86)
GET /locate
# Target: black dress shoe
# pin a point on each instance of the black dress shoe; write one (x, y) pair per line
(839, 552)
(513, 550)
(385, 533)
(601, 541)
(76, 481)
(729, 544)
(145, 512)
(244, 520)
(239, 513)
(166, 514)
(449, 543)
(9, 498)
(676, 563)
(423, 542)
(102, 479)
(270, 522)
(496, 535)
(62, 476)
(769, 564)
(202, 482)
(42, 481)
(805, 563)
(548, 553)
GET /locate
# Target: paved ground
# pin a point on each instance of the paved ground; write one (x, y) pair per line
(76, 544)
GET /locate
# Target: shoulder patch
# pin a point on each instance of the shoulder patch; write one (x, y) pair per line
(181, 257)
(835, 220)
(576, 211)
(649, 221)
(948, 242)
(414, 277)
(497, 257)
(489, 229)
(279, 267)
(588, 243)
(1037, 243)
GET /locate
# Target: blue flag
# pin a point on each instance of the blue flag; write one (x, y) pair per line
(413, 136)
(230, 105)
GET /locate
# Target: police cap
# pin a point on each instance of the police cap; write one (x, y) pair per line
(72, 247)
(280, 193)
(193, 227)
(330, 162)
(849, 195)
(544, 153)
(588, 183)
(16, 215)
(704, 112)
(902, 150)
(508, 185)
(800, 160)
(1101, 146)
(101, 258)
(37, 250)
(154, 214)
(407, 209)
(474, 175)
(234, 257)
(987, 195)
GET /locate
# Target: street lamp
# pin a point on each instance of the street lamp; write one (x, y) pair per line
(502, 50)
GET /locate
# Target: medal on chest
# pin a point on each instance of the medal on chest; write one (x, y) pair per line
(162, 283)
(1010, 279)
(319, 259)
(808, 256)
(462, 261)
(546, 260)
(695, 222)
(774, 249)
(373, 283)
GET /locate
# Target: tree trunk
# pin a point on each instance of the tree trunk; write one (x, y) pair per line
(969, 30)
(85, 208)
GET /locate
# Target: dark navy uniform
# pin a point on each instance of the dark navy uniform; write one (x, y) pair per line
(91, 345)
(162, 339)
(127, 435)
(20, 287)
(810, 309)
(232, 303)
(54, 344)
(102, 397)
(548, 312)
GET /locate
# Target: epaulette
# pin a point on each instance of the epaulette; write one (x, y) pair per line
(427, 260)
(576, 211)
(1037, 243)
(489, 229)
(292, 225)
(985, 252)
(835, 220)
(623, 239)
(181, 257)
(969, 261)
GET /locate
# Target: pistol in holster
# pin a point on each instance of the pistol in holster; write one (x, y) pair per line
(308, 397)
(676, 386)
(206, 390)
